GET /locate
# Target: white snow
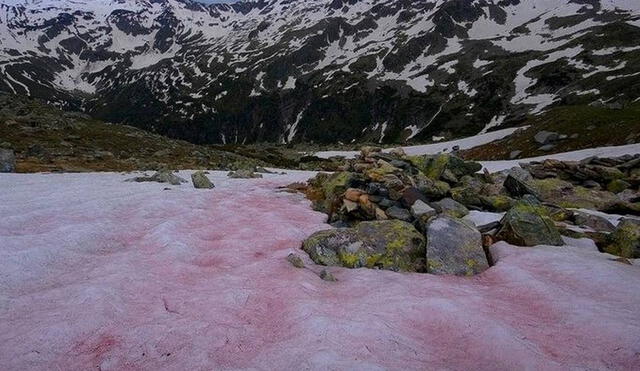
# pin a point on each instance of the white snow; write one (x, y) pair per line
(615, 151)
(464, 143)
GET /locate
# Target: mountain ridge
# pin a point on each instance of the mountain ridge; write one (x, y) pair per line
(321, 71)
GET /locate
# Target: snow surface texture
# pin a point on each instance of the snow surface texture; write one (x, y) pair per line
(97, 273)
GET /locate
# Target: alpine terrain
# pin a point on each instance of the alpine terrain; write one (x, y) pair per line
(320, 185)
(327, 71)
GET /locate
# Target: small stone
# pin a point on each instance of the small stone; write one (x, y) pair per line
(591, 184)
(295, 260)
(200, 181)
(327, 276)
(514, 154)
(547, 147)
(545, 137)
(399, 213)
(398, 152)
(350, 206)
(420, 210)
(353, 194)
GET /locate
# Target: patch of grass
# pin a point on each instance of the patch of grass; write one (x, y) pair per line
(589, 126)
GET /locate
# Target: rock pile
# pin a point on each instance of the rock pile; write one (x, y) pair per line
(406, 213)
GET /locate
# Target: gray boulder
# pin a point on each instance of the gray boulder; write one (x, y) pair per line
(200, 180)
(594, 222)
(7, 161)
(518, 182)
(395, 212)
(454, 247)
(420, 210)
(389, 244)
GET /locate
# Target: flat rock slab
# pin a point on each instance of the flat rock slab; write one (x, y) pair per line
(129, 276)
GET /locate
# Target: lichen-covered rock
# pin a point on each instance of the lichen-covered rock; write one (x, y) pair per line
(327, 190)
(625, 241)
(528, 224)
(434, 166)
(433, 189)
(200, 180)
(392, 245)
(454, 247)
(7, 161)
(618, 185)
(565, 194)
(451, 207)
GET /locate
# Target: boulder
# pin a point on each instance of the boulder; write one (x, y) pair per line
(625, 241)
(518, 182)
(7, 161)
(528, 224)
(454, 247)
(391, 244)
(595, 222)
(451, 207)
(200, 180)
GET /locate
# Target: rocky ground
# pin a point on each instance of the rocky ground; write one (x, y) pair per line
(407, 213)
(37, 137)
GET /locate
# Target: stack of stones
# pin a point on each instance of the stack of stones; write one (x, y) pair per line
(407, 213)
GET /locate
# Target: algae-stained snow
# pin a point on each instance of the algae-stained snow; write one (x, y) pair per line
(99, 273)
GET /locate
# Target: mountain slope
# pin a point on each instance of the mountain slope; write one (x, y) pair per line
(320, 70)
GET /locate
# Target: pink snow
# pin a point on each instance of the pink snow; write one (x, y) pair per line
(96, 273)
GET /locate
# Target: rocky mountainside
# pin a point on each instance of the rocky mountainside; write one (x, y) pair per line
(320, 70)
